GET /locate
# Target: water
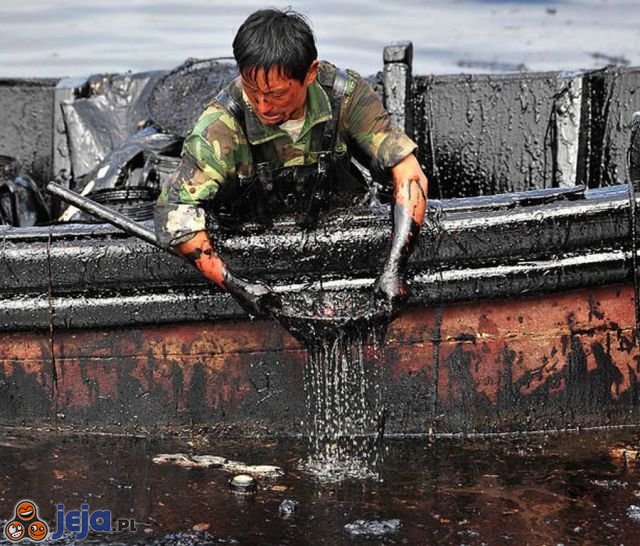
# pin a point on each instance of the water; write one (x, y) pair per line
(569, 488)
(59, 38)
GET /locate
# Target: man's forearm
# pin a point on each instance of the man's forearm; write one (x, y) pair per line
(409, 205)
(253, 296)
(200, 252)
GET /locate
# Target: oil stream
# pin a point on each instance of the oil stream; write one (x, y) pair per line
(344, 406)
(343, 334)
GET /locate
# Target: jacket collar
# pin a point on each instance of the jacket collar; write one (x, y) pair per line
(318, 110)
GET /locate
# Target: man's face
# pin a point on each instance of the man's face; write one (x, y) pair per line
(275, 97)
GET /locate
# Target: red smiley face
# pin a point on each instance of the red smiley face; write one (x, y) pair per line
(14, 531)
(38, 531)
(26, 511)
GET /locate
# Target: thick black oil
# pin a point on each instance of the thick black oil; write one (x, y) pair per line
(343, 335)
(562, 488)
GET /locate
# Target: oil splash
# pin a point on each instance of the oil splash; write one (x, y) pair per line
(343, 333)
(345, 414)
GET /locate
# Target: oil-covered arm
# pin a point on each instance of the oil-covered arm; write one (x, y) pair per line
(213, 154)
(368, 125)
(409, 205)
(254, 297)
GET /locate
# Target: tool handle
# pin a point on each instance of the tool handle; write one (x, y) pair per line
(104, 213)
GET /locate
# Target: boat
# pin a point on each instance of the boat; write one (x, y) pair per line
(524, 304)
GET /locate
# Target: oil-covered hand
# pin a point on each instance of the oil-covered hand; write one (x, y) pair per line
(409, 205)
(255, 297)
(391, 287)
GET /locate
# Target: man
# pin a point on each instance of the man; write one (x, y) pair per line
(280, 133)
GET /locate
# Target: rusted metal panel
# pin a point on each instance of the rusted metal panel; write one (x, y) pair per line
(561, 360)
(566, 359)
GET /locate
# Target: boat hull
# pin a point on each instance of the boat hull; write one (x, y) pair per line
(522, 313)
(523, 364)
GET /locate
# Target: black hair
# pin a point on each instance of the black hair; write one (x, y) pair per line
(273, 38)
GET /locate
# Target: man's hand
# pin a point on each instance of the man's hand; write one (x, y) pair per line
(391, 288)
(254, 297)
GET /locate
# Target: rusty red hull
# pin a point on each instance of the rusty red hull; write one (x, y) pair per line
(558, 360)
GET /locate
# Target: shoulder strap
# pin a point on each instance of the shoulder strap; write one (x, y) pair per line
(225, 100)
(338, 91)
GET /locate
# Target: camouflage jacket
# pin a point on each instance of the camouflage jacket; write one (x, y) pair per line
(219, 151)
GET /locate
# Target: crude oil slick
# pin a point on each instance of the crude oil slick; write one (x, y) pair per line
(570, 488)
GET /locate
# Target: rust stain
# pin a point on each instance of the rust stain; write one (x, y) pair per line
(574, 348)
(486, 326)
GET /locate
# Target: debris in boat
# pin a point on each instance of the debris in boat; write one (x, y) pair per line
(243, 483)
(372, 528)
(21, 203)
(113, 110)
(287, 508)
(212, 461)
(634, 512)
(178, 98)
(610, 484)
(625, 454)
(127, 178)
